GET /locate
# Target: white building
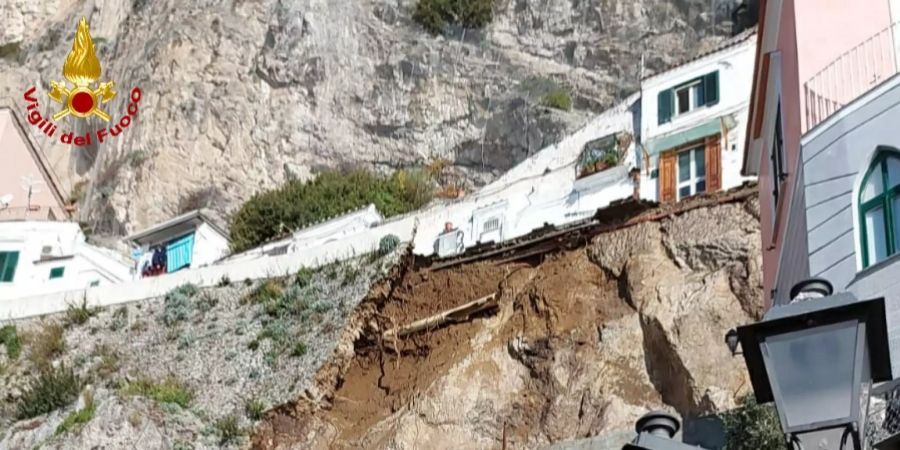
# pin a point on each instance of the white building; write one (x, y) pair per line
(40, 257)
(316, 235)
(693, 120)
(188, 241)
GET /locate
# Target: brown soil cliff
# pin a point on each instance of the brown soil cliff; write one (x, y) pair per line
(581, 342)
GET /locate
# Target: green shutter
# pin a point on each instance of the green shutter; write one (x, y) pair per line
(57, 272)
(711, 88)
(8, 262)
(665, 103)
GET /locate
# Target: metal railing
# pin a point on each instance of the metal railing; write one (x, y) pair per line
(883, 416)
(850, 75)
(33, 213)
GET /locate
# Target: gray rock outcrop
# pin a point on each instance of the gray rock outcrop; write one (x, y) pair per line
(240, 95)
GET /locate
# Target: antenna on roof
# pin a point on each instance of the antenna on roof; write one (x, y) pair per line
(30, 185)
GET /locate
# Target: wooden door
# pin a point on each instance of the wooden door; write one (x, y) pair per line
(667, 177)
(713, 153)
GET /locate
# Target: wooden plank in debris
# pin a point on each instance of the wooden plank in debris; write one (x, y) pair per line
(461, 313)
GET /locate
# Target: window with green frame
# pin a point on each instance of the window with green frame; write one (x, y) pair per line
(8, 263)
(57, 272)
(879, 208)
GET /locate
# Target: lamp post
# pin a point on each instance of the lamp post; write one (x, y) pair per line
(816, 359)
(655, 432)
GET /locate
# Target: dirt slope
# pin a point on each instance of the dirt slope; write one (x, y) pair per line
(581, 343)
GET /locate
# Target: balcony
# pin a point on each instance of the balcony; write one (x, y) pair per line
(850, 75)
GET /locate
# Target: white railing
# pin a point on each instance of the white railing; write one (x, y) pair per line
(850, 75)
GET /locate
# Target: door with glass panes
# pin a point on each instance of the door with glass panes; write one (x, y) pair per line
(690, 170)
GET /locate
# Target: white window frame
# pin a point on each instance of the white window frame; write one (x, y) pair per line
(692, 88)
(692, 179)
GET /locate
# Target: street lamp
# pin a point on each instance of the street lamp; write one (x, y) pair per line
(655, 432)
(816, 358)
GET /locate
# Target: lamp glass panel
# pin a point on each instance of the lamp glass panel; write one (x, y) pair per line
(813, 370)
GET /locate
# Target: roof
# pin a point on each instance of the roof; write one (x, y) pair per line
(729, 43)
(38, 156)
(174, 227)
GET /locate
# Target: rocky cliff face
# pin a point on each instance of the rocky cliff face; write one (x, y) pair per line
(241, 95)
(581, 344)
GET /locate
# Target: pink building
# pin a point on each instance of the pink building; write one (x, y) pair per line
(20, 158)
(813, 57)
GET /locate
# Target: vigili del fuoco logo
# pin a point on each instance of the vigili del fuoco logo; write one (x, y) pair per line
(84, 98)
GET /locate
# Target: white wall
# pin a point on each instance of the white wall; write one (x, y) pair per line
(735, 66)
(209, 246)
(86, 264)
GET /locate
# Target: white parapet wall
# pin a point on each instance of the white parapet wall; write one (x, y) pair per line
(250, 269)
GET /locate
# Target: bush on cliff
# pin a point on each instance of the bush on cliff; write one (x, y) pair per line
(297, 204)
(435, 15)
(752, 426)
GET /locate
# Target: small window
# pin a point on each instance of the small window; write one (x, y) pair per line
(687, 96)
(95, 283)
(8, 263)
(879, 208)
(57, 272)
(492, 224)
(691, 172)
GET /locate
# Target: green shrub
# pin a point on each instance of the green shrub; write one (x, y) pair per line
(267, 291)
(297, 204)
(46, 344)
(435, 15)
(119, 319)
(276, 330)
(169, 391)
(388, 244)
(304, 277)
(224, 281)
(178, 305)
(53, 389)
(109, 360)
(9, 337)
(229, 430)
(298, 350)
(351, 273)
(558, 98)
(78, 418)
(752, 426)
(79, 314)
(254, 409)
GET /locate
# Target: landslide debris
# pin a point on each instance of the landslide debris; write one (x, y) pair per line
(581, 343)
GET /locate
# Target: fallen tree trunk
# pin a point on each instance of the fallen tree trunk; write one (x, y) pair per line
(461, 313)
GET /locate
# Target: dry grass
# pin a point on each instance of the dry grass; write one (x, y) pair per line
(46, 344)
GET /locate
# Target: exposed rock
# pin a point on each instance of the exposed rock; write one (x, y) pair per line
(241, 95)
(582, 345)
